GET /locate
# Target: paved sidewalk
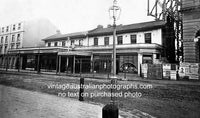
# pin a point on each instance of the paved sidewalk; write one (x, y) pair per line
(19, 103)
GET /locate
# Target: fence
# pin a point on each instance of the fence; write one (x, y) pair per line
(171, 71)
(189, 71)
(159, 71)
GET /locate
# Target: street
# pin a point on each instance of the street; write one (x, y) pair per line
(164, 98)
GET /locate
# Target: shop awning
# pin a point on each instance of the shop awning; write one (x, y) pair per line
(71, 53)
(37, 50)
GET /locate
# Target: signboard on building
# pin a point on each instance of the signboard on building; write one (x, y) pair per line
(154, 71)
(166, 70)
(189, 69)
(144, 68)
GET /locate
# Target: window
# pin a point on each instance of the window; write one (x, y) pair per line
(95, 41)
(157, 56)
(7, 28)
(13, 38)
(0, 49)
(12, 46)
(63, 43)
(81, 42)
(17, 46)
(106, 40)
(18, 37)
(6, 40)
(72, 42)
(5, 48)
(19, 26)
(119, 40)
(2, 39)
(133, 39)
(2, 30)
(49, 44)
(13, 27)
(55, 43)
(147, 59)
(147, 37)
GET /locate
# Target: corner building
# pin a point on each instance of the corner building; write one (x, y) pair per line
(25, 34)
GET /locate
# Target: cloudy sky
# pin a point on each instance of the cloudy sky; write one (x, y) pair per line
(72, 15)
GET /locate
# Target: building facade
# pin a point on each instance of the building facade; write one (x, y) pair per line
(11, 37)
(23, 35)
(91, 51)
(191, 27)
(135, 44)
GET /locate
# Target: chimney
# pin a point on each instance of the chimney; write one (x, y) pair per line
(109, 25)
(58, 31)
(100, 26)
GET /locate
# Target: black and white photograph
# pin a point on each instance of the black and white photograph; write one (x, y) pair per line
(99, 58)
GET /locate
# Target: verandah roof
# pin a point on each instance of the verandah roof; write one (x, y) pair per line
(37, 50)
(71, 53)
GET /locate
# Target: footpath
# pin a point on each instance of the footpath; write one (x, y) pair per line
(19, 103)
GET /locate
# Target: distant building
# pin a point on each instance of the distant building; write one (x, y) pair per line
(191, 27)
(23, 35)
(91, 51)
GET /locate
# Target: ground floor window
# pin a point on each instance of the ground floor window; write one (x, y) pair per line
(124, 63)
(147, 59)
(102, 63)
(48, 62)
(127, 63)
(30, 61)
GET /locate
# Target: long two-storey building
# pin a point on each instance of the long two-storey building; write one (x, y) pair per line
(91, 51)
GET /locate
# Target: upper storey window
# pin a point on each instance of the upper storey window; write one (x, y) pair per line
(18, 37)
(55, 44)
(7, 28)
(18, 46)
(95, 41)
(2, 39)
(72, 42)
(63, 43)
(119, 40)
(106, 41)
(6, 40)
(2, 29)
(13, 27)
(81, 42)
(49, 44)
(5, 48)
(1, 48)
(133, 39)
(147, 37)
(13, 38)
(19, 26)
(12, 46)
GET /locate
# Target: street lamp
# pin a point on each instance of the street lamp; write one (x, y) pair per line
(111, 110)
(114, 13)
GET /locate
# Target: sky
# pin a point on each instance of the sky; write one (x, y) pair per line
(73, 15)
